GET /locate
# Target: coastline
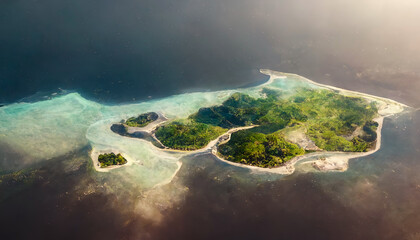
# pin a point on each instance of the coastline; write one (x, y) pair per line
(94, 156)
(149, 128)
(340, 163)
(339, 160)
(331, 161)
(279, 75)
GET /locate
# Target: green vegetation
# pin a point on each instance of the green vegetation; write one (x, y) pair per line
(243, 110)
(109, 159)
(334, 116)
(142, 120)
(259, 149)
(330, 120)
(187, 135)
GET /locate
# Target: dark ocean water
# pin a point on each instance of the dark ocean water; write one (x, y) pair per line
(136, 49)
(130, 50)
(377, 198)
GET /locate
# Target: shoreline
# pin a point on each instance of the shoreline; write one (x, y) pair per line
(94, 154)
(340, 163)
(149, 128)
(279, 75)
(337, 161)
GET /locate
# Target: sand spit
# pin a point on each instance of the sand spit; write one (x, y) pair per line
(394, 106)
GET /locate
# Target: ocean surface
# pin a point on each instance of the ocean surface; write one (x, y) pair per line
(141, 49)
(50, 186)
(102, 60)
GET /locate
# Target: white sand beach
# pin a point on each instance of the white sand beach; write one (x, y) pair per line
(328, 161)
(338, 161)
(95, 154)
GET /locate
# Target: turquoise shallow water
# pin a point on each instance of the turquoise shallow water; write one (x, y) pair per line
(377, 198)
(124, 51)
(52, 128)
(48, 129)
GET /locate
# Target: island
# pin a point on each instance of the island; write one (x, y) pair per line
(324, 120)
(273, 126)
(142, 120)
(111, 159)
(140, 127)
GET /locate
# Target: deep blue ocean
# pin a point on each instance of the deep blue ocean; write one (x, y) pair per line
(130, 51)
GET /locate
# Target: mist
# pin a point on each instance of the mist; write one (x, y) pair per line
(149, 49)
(130, 51)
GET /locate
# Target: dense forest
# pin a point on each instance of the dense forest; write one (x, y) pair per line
(187, 135)
(142, 120)
(258, 149)
(109, 159)
(328, 119)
